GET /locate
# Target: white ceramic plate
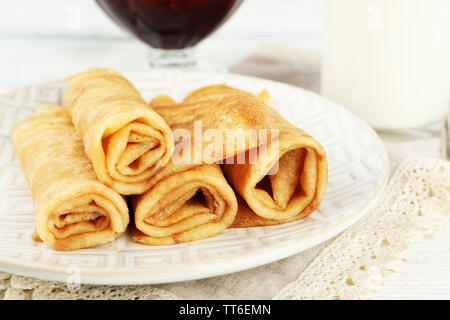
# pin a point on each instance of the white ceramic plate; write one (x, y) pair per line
(358, 173)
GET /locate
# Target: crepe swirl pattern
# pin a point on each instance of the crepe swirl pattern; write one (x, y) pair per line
(73, 208)
(282, 184)
(187, 201)
(126, 141)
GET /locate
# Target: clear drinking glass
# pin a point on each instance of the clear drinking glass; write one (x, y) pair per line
(172, 28)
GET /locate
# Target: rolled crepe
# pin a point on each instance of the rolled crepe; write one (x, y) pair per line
(287, 177)
(187, 201)
(73, 208)
(126, 141)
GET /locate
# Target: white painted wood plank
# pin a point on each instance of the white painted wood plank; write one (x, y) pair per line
(85, 18)
(27, 60)
(426, 275)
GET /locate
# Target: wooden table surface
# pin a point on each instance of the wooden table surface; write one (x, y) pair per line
(47, 39)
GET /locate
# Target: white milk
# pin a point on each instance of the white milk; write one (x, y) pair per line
(388, 61)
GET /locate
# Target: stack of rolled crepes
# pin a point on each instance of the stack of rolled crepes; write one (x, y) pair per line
(287, 177)
(177, 194)
(189, 200)
(73, 208)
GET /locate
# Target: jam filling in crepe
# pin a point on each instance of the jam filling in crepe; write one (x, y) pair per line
(124, 138)
(73, 208)
(287, 177)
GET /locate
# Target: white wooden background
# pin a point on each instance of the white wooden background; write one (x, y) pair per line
(51, 38)
(48, 39)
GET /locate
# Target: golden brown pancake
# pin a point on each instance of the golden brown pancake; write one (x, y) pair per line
(126, 141)
(73, 208)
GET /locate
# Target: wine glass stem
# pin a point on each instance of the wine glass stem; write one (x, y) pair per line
(180, 58)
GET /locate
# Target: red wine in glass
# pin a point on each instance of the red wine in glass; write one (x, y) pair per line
(170, 25)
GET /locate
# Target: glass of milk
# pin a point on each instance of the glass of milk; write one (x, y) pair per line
(388, 61)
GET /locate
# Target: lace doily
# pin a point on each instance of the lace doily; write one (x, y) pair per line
(416, 204)
(23, 288)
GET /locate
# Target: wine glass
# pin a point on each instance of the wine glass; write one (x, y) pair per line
(171, 28)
